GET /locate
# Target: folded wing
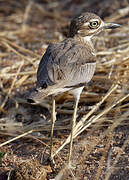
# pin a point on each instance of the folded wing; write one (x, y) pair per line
(66, 64)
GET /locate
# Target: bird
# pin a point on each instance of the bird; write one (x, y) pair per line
(69, 65)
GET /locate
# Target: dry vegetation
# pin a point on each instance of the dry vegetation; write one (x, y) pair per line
(101, 145)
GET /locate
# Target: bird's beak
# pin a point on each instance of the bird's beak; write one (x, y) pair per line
(111, 25)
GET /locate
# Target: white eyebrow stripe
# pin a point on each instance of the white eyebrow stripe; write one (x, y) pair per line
(85, 24)
(94, 20)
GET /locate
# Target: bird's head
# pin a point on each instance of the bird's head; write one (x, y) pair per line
(89, 24)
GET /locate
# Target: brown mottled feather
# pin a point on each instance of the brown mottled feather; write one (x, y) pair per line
(68, 63)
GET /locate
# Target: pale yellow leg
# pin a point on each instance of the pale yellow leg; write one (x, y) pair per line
(73, 123)
(52, 126)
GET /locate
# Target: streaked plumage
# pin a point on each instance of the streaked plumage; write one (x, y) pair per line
(66, 64)
(70, 64)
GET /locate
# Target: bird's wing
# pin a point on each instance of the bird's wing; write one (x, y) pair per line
(67, 63)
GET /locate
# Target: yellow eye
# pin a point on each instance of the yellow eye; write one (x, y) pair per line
(94, 24)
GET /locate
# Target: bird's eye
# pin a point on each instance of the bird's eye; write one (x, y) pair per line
(93, 24)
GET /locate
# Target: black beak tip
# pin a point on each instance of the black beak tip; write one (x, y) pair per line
(31, 101)
(112, 26)
(115, 26)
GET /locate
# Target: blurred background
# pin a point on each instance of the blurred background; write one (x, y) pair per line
(102, 147)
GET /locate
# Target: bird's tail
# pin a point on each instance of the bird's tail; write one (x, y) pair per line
(36, 96)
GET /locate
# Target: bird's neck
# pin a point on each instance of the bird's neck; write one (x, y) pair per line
(85, 40)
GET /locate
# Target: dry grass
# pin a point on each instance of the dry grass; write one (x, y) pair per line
(103, 109)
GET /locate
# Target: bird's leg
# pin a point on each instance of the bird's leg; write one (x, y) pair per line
(52, 127)
(73, 122)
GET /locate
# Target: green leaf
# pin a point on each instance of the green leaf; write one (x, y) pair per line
(1, 156)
